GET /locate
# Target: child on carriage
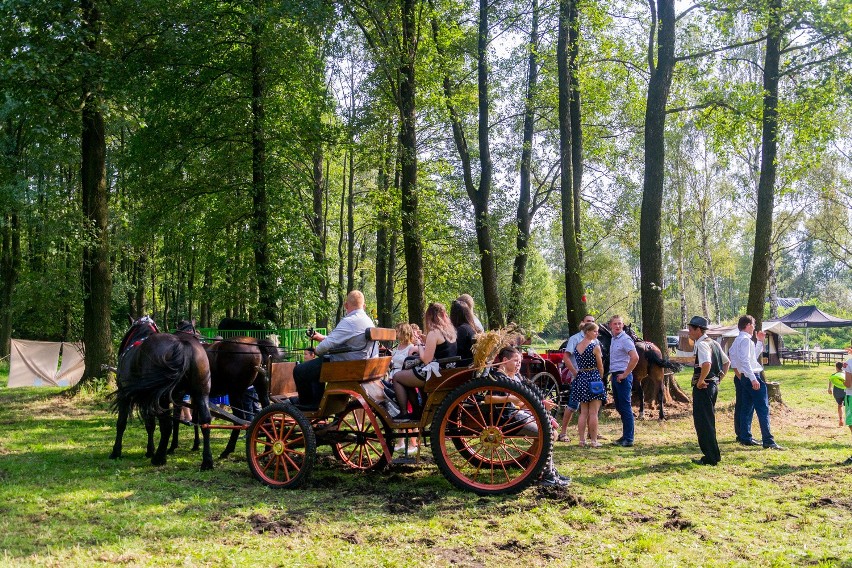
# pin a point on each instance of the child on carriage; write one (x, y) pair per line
(508, 363)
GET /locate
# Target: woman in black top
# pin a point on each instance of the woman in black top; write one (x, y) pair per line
(440, 343)
(462, 319)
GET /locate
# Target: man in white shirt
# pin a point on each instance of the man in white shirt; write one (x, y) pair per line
(349, 336)
(847, 382)
(752, 386)
(711, 365)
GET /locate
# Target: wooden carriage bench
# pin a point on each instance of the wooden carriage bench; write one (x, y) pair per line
(282, 385)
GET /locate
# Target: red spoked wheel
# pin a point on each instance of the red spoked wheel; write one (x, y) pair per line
(357, 442)
(281, 447)
(549, 387)
(486, 444)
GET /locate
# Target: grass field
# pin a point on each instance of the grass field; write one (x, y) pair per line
(63, 503)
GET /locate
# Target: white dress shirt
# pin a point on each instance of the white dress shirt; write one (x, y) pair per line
(743, 354)
(350, 332)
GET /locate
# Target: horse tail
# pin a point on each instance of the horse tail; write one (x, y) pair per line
(653, 357)
(268, 350)
(152, 385)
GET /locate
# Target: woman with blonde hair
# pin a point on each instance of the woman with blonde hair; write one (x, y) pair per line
(405, 347)
(589, 384)
(440, 343)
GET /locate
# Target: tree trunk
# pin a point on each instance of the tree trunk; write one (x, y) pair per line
(318, 226)
(773, 289)
(681, 259)
(97, 278)
(10, 263)
(524, 215)
(576, 122)
(190, 286)
(340, 265)
(769, 150)
(207, 305)
(650, 246)
(350, 220)
(412, 246)
(384, 248)
(479, 196)
(260, 219)
(575, 298)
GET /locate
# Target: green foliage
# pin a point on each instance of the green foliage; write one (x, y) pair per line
(177, 98)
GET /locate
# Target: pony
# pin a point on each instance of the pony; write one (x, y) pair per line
(154, 370)
(236, 364)
(649, 373)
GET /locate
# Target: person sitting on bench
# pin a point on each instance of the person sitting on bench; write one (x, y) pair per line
(440, 344)
(350, 333)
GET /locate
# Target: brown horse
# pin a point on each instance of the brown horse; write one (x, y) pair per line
(649, 373)
(154, 370)
(236, 364)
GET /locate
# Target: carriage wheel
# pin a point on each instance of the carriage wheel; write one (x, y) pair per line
(361, 449)
(281, 447)
(549, 387)
(488, 446)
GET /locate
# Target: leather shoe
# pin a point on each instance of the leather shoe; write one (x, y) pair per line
(848, 461)
(751, 442)
(624, 444)
(775, 447)
(700, 461)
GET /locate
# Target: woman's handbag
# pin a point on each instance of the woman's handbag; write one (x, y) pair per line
(596, 387)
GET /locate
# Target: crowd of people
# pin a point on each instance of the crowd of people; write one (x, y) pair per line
(448, 338)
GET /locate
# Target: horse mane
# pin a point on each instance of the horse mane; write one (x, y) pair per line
(139, 330)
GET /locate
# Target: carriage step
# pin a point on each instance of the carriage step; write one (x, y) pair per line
(220, 412)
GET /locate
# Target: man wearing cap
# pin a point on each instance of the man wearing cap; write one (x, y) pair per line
(752, 394)
(711, 364)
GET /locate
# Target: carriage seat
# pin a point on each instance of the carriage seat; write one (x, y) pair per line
(281, 383)
(360, 370)
(374, 334)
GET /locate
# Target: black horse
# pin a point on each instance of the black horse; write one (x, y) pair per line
(154, 371)
(649, 370)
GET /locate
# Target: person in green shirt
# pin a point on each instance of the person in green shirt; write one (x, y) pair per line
(837, 388)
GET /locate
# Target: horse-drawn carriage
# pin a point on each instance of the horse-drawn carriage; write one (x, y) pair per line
(480, 441)
(543, 372)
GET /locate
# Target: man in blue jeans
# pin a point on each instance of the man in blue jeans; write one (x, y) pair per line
(752, 386)
(622, 360)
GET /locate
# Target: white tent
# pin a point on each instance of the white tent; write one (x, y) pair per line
(776, 327)
(36, 364)
(773, 330)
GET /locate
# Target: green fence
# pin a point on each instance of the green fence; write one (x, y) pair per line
(288, 339)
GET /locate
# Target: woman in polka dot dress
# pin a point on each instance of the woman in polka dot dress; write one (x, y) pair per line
(590, 367)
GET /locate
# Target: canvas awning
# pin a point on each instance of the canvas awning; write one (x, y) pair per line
(812, 316)
(775, 327)
(37, 363)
